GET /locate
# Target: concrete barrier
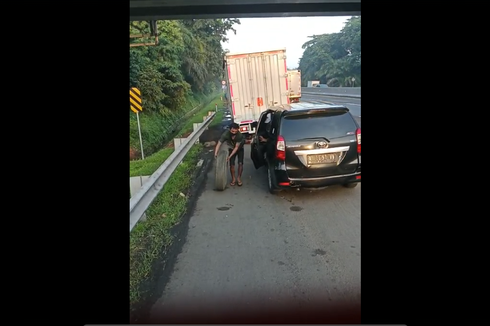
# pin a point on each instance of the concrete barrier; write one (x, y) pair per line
(334, 91)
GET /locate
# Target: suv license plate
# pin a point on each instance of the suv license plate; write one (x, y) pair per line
(323, 158)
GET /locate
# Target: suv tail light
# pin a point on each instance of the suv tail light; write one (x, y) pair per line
(358, 136)
(280, 148)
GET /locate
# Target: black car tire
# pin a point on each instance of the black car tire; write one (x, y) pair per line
(351, 185)
(220, 178)
(271, 180)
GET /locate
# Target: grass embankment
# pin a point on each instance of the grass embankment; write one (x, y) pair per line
(151, 163)
(158, 128)
(150, 239)
(198, 118)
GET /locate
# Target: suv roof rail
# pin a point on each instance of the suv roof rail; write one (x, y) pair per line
(280, 107)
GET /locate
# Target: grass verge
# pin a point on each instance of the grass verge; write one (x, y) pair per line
(150, 239)
(150, 164)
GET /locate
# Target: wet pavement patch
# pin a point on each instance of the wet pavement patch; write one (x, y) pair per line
(319, 252)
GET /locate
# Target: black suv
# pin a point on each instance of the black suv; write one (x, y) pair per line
(311, 145)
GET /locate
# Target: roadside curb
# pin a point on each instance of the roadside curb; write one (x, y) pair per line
(200, 175)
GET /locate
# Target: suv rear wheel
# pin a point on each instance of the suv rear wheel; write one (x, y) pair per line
(350, 185)
(271, 179)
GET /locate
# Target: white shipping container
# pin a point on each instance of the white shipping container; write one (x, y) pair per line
(294, 85)
(312, 83)
(256, 81)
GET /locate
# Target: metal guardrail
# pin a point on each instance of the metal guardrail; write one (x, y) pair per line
(139, 203)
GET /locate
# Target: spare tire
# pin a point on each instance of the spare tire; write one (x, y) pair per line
(220, 179)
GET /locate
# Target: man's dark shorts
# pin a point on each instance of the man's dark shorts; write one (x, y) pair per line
(240, 154)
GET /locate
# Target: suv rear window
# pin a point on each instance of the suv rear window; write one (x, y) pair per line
(328, 125)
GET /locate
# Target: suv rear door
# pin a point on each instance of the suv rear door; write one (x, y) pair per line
(320, 142)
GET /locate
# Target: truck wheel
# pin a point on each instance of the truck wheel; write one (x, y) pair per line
(220, 178)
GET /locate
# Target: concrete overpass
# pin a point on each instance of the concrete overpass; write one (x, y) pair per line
(146, 10)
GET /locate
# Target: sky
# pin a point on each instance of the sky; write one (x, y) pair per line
(263, 34)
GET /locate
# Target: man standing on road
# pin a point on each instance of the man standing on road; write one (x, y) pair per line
(235, 141)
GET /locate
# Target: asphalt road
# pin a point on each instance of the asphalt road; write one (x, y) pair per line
(354, 104)
(249, 250)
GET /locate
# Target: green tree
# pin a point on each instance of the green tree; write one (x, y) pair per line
(185, 66)
(204, 62)
(334, 59)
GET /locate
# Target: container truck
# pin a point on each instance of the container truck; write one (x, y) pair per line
(294, 81)
(256, 81)
(312, 83)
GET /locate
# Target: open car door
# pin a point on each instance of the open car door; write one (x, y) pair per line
(257, 149)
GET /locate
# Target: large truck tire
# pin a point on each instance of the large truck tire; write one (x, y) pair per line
(220, 173)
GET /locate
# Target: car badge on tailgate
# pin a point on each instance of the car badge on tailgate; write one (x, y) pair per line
(321, 144)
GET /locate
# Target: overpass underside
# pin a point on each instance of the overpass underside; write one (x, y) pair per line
(147, 10)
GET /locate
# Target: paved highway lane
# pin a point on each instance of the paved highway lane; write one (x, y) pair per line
(354, 104)
(249, 249)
